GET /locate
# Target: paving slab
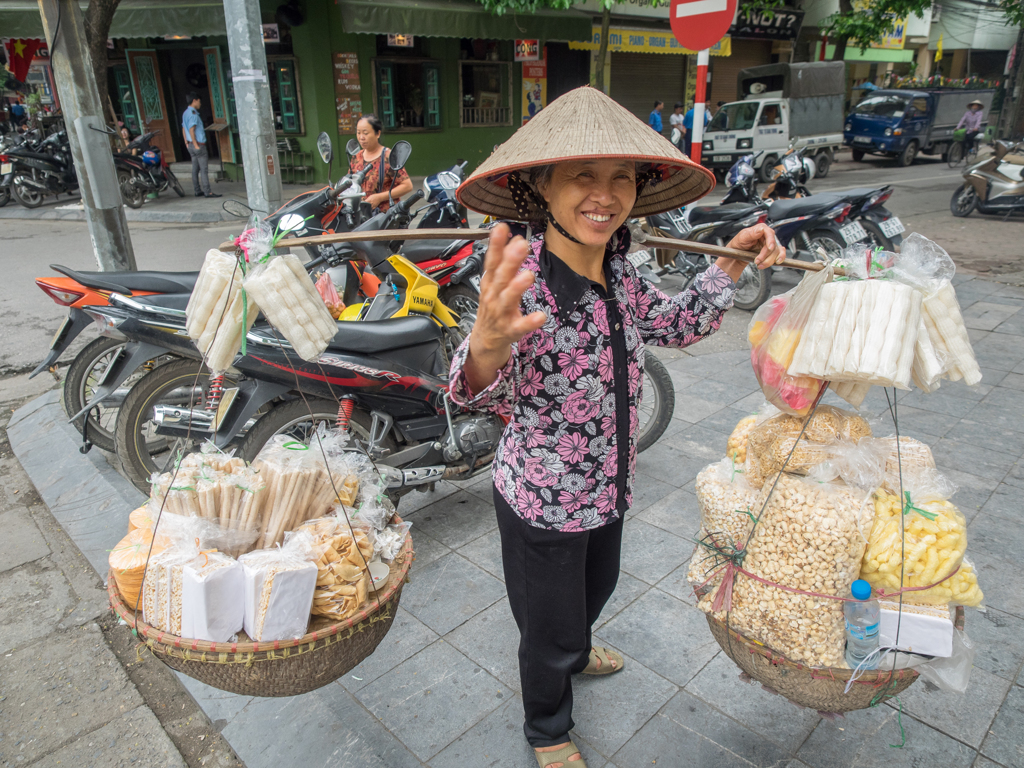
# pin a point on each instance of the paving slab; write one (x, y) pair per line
(450, 591)
(456, 520)
(676, 513)
(34, 599)
(485, 552)
(58, 689)
(425, 549)
(650, 553)
(946, 712)
(22, 541)
(999, 638)
(1004, 743)
(407, 637)
(491, 639)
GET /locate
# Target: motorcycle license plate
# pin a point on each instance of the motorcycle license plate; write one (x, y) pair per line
(892, 227)
(639, 258)
(721, 158)
(58, 337)
(853, 233)
(6, 168)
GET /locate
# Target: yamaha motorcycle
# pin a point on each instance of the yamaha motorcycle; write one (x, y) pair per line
(42, 170)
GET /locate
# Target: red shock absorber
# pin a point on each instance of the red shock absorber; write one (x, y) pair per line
(214, 392)
(345, 406)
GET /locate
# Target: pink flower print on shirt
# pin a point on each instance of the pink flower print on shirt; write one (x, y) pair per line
(577, 409)
(532, 382)
(573, 363)
(529, 504)
(572, 447)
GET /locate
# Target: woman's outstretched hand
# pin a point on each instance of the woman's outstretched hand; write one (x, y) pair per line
(499, 321)
(760, 238)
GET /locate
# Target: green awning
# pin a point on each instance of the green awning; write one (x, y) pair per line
(133, 18)
(460, 18)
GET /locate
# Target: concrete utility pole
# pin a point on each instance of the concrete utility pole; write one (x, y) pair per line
(252, 98)
(87, 134)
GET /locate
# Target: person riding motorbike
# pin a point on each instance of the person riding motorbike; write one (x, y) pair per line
(558, 348)
(971, 121)
(382, 185)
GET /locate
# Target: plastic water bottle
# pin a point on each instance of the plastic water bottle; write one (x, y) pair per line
(861, 626)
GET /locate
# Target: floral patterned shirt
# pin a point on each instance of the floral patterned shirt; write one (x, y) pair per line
(372, 181)
(567, 458)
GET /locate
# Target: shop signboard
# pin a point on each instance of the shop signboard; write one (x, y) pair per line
(535, 87)
(527, 50)
(347, 92)
(780, 24)
(646, 41)
(894, 38)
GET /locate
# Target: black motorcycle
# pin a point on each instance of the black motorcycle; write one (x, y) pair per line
(142, 170)
(42, 170)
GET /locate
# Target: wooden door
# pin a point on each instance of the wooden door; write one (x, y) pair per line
(149, 97)
(218, 103)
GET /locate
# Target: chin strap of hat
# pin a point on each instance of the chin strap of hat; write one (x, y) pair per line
(523, 195)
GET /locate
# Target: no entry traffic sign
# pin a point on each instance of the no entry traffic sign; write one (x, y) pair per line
(699, 24)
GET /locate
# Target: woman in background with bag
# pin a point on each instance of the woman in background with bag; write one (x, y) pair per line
(380, 179)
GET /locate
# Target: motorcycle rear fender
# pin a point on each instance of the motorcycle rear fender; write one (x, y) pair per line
(79, 322)
(253, 394)
(132, 356)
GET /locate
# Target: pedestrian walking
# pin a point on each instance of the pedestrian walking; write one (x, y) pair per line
(655, 118)
(195, 139)
(558, 349)
(688, 125)
(971, 120)
(379, 180)
(675, 120)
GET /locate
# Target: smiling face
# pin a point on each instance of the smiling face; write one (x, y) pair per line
(591, 198)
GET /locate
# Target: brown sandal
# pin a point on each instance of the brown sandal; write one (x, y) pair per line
(606, 657)
(561, 756)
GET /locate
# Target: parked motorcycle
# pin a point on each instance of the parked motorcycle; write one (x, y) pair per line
(142, 170)
(42, 170)
(994, 185)
(8, 142)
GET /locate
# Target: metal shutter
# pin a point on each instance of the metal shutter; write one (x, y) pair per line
(638, 79)
(725, 69)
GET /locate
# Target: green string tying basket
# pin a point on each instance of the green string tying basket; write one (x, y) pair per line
(284, 667)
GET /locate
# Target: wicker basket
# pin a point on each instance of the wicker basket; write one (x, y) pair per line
(284, 667)
(815, 688)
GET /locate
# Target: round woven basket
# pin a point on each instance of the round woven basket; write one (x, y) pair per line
(283, 667)
(815, 688)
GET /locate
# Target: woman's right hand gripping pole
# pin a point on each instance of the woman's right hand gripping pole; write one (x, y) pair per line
(499, 321)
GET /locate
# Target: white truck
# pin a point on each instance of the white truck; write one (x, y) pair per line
(781, 105)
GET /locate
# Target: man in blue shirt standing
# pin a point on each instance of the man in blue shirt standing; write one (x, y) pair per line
(195, 139)
(655, 119)
(688, 125)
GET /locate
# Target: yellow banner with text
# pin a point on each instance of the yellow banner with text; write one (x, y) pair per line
(646, 41)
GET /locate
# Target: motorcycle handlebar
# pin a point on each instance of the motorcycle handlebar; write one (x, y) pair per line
(403, 207)
(473, 263)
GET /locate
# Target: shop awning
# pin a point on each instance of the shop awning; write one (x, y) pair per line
(460, 18)
(133, 18)
(621, 40)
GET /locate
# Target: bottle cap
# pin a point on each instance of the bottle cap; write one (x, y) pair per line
(861, 590)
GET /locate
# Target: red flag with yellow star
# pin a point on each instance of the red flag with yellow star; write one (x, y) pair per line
(19, 56)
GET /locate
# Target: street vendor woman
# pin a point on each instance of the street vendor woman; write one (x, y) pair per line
(558, 347)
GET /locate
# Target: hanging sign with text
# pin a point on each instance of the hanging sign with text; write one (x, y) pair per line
(527, 50)
(347, 92)
(535, 87)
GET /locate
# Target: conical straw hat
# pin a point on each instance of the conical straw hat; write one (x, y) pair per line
(586, 124)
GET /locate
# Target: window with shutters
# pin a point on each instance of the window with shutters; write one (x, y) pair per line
(285, 96)
(408, 94)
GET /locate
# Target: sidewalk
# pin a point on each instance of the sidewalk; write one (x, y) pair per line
(442, 690)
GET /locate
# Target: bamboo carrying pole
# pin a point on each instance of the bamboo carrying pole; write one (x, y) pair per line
(667, 243)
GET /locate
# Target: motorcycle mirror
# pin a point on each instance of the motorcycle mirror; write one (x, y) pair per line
(352, 148)
(399, 155)
(236, 208)
(291, 222)
(324, 147)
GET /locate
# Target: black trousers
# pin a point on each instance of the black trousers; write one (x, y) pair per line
(557, 584)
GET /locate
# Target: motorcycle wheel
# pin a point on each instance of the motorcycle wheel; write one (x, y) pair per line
(30, 198)
(964, 201)
(657, 404)
(175, 184)
(140, 450)
(829, 241)
(298, 420)
(5, 196)
(875, 236)
(753, 289)
(80, 383)
(465, 301)
(131, 195)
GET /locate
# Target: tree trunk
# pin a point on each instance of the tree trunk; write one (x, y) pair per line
(97, 18)
(1013, 100)
(845, 9)
(602, 52)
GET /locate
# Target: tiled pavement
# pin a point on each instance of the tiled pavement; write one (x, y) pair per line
(442, 690)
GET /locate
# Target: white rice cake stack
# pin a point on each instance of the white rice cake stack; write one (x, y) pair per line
(278, 596)
(213, 598)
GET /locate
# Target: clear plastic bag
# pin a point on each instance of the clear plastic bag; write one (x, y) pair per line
(809, 537)
(913, 456)
(736, 447)
(774, 334)
(948, 334)
(952, 674)
(325, 287)
(919, 541)
(343, 553)
(219, 311)
(390, 540)
(858, 464)
(279, 586)
(726, 500)
(289, 300)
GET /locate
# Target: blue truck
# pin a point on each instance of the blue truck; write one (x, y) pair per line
(902, 123)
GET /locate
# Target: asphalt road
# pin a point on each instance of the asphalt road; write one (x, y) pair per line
(28, 318)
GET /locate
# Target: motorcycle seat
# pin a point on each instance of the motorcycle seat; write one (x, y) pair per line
(707, 214)
(128, 282)
(22, 152)
(803, 206)
(382, 335)
(166, 300)
(418, 251)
